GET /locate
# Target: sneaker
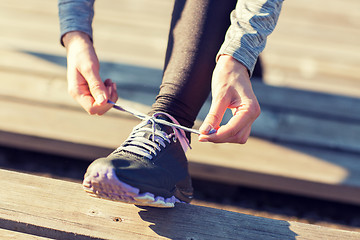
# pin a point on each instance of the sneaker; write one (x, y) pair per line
(149, 169)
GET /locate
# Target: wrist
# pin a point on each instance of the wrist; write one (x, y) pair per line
(230, 62)
(76, 37)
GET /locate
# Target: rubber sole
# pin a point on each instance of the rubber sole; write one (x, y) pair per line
(103, 183)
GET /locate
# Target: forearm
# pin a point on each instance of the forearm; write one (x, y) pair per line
(75, 15)
(251, 23)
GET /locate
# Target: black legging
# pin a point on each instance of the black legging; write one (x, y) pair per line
(197, 31)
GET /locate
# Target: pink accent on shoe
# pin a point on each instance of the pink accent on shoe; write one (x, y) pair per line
(185, 144)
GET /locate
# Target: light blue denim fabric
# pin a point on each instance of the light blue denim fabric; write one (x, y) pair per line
(251, 22)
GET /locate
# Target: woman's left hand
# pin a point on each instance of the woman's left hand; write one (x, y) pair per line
(231, 88)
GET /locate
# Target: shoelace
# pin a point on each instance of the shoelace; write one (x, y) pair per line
(138, 144)
(148, 147)
(161, 121)
(137, 139)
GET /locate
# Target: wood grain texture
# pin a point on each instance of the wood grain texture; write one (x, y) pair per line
(57, 209)
(291, 168)
(37, 114)
(305, 142)
(310, 142)
(309, 49)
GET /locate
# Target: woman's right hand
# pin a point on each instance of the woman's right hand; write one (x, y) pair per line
(84, 82)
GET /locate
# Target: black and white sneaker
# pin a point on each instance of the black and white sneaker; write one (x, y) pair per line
(149, 169)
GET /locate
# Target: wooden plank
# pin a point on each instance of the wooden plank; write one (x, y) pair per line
(53, 146)
(127, 37)
(313, 172)
(49, 66)
(56, 124)
(307, 49)
(308, 118)
(291, 169)
(35, 205)
(38, 114)
(288, 115)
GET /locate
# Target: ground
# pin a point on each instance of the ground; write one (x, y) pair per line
(241, 199)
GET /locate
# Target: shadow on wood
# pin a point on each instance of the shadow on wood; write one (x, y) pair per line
(313, 146)
(59, 209)
(193, 222)
(292, 117)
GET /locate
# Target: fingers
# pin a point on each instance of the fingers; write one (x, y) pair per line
(97, 88)
(231, 88)
(84, 81)
(81, 91)
(104, 107)
(214, 117)
(111, 86)
(111, 94)
(111, 89)
(238, 129)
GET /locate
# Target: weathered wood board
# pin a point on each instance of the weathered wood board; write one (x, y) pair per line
(59, 128)
(312, 144)
(309, 48)
(58, 209)
(288, 115)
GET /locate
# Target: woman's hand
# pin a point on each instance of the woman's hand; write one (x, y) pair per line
(231, 88)
(84, 82)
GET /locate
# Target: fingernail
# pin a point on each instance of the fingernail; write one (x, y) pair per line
(110, 89)
(100, 98)
(212, 130)
(114, 85)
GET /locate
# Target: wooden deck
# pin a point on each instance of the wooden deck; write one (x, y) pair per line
(42, 208)
(305, 142)
(316, 46)
(311, 164)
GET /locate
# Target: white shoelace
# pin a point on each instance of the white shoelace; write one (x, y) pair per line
(138, 144)
(146, 117)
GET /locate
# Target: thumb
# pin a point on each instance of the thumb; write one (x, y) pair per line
(97, 88)
(213, 118)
